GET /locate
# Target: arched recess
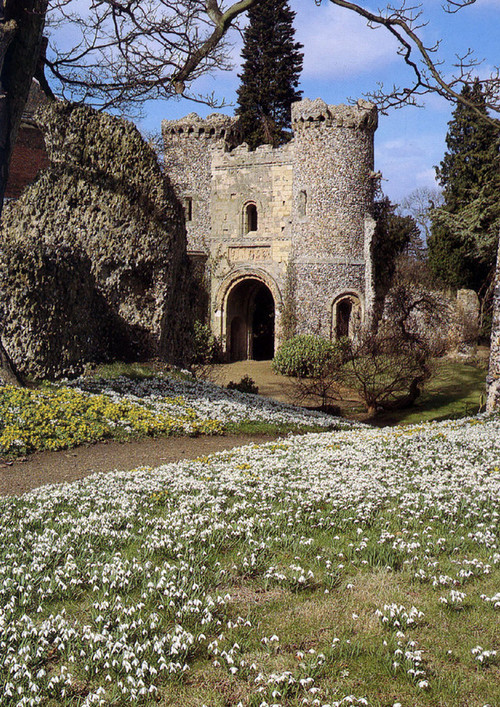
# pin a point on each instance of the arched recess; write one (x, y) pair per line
(347, 315)
(249, 302)
(250, 216)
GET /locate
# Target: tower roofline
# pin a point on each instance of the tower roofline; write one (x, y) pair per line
(215, 125)
(363, 115)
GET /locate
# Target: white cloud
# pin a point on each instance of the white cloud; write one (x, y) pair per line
(406, 163)
(338, 44)
(426, 178)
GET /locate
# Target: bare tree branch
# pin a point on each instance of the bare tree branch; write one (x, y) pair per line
(126, 51)
(404, 23)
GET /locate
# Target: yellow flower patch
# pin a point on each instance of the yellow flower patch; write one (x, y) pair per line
(32, 420)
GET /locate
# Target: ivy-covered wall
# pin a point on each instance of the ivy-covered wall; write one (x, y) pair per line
(93, 260)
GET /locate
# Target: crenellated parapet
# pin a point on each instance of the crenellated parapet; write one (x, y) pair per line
(243, 156)
(307, 114)
(215, 127)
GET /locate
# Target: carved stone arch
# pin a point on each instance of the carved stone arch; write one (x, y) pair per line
(248, 305)
(347, 314)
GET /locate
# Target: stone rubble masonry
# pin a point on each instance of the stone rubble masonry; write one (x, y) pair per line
(493, 379)
(93, 259)
(314, 198)
(189, 144)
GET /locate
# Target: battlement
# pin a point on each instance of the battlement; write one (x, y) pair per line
(243, 156)
(307, 113)
(215, 126)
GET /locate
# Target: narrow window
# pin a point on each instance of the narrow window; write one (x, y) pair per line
(250, 218)
(188, 208)
(302, 202)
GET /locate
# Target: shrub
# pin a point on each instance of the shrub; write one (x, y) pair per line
(306, 356)
(206, 346)
(246, 385)
(316, 364)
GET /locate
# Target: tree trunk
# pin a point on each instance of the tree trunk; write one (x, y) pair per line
(21, 29)
(493, 379)
(8, 373)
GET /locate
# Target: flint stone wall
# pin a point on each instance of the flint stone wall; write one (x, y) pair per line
(93, 260)
(313, 196)
(450, 324)
(493, 380)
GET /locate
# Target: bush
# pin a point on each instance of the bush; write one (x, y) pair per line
(386, 369)
(206, 346)
(246, 385)
(316, 364)
(307, 356)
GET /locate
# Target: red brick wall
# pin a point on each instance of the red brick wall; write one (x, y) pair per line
(28, 158)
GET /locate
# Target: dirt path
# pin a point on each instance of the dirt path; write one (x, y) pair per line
(270, 384)
(73, 464)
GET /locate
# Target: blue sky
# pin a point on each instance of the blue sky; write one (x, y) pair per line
(345, 59)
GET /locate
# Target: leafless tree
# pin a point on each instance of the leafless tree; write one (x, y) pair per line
(389, 368)
(111, 52)
(405, 22)
(419, 204)
(121, 52)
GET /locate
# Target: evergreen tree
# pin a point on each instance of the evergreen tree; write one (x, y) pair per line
(464, 235)
(393, 234)
(270, 74)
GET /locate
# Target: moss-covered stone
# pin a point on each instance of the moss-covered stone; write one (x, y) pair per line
(93, 259)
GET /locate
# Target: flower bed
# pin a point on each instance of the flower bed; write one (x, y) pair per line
(33, 420)
(87, 410)
(309, 571)
(209, 400)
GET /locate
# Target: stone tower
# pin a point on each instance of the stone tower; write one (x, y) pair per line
(256, 216)
(333, 190)
(190, 144)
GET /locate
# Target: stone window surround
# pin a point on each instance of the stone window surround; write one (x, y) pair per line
(339, 296)
(244, 225)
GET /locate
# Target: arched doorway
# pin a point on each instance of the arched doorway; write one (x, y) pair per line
(346, 316)
(250, 321)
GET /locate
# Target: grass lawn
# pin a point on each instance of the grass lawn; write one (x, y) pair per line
(456, 390)
(358, 567)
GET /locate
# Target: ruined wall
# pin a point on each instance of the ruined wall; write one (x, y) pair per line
(493, 380)
(447, 321)
(93, 258)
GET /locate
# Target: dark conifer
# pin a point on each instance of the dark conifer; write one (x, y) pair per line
(272, 62)
(465, 229)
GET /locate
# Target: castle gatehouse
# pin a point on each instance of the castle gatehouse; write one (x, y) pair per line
(284, 235)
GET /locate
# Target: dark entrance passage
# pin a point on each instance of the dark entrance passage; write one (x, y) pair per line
(344, 309)
(263, 325)
(250, 321)
(346, 317)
